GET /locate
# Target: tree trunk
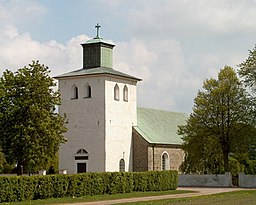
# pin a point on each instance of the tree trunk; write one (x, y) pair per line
(20, 168)
(225, 159)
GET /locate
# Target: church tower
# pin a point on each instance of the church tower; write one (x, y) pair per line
(100, 105)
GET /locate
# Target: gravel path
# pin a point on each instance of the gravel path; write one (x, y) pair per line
(200, 191)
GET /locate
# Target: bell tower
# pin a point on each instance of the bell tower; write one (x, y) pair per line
(100, 105)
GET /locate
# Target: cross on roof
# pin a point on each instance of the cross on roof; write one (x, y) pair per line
(98, 28)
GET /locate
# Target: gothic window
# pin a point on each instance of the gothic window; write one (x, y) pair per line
(121, 165)
(165, 161)
(125, 93)
(87, 91)
(74, 92)
(116, 92)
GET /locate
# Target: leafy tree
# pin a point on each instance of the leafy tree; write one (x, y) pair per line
(248, 70)
(2, 161)
(30, 128)
(221, 124)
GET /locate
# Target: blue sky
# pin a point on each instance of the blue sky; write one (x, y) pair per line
(172, 45)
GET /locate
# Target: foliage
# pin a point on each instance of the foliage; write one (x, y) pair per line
(30, 129)
(203, 155)
(23, 188)
(2, 161)
(155, 181)
(222, 123)
(235, 166)
(248, 70)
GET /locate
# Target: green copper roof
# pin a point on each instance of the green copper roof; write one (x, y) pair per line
(96, 71)
(97, 40)
(160, 127)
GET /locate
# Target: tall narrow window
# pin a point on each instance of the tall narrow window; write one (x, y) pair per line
(165, 162)
(121, 165)
(116, 92)
(87, 91)
(125, 93)
(74, 92)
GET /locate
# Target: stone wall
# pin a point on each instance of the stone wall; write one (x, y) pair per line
(140, 153)
(247, 181)
(206, 180)
(155, 152)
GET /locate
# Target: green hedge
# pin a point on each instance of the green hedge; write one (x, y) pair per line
(22, 188)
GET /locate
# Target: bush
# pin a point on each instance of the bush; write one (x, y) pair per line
(23, 188)
(155, 181)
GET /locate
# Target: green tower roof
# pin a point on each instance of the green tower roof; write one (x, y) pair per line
(97, 59)
(96, 71)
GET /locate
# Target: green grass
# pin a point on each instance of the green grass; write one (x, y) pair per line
(247, 197)
(95, 198)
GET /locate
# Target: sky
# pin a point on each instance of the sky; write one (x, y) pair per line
(172, 45)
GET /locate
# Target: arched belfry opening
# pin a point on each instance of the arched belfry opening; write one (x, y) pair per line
(125, 93)
(74, 92)
(87, 91)
(116, 92)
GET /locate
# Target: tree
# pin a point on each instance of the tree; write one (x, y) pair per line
(248, 70)
(221, 124)
(30, 128)
(2, 161)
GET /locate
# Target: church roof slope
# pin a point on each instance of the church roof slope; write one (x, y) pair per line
(96, 71)
(159, 126)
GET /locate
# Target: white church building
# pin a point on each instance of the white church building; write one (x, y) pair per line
(106, 130)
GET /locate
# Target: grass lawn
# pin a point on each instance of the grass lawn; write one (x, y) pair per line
(247, 197)
(95, 198)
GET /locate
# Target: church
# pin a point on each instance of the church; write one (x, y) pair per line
(107, 132)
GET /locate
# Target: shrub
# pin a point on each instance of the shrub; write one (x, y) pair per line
(155, 180)
(21, 188)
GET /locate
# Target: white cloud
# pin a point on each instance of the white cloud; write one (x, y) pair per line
(18, 50)
(173, 45)
(134, 57)
(175, 17)
(13, 12)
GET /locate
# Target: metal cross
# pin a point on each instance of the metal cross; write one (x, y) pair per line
(98, 28)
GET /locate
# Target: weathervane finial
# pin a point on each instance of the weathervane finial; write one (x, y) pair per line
(97, 29)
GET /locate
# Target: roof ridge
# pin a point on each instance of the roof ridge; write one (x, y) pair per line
(155, 109)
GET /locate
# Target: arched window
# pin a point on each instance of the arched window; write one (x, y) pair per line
(125, 93)
(121, 165)
(74, 92)
(116, 92)
(87, 91)
(165, 162)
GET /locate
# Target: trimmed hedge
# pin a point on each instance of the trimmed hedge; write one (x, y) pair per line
(22, 188)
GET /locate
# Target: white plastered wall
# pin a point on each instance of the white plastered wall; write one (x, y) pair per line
(86, 123)
(120, 117)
